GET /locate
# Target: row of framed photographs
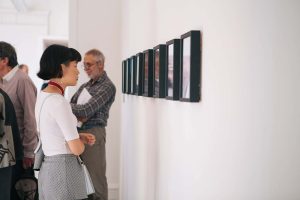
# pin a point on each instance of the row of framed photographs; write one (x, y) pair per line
(171, 70)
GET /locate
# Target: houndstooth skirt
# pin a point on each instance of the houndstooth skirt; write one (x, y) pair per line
(61, 177)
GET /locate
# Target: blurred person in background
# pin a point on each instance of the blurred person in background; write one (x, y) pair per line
(22, 92)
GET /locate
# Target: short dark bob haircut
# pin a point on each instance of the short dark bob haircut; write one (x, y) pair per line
(53, 57)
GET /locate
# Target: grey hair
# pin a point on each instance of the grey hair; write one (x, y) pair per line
(97, 54)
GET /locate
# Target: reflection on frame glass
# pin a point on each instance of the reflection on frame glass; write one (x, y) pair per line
(133, 74)
(128, 76)
(186, 67)
(160, 71)
(139, 74)
(170, 70)
(173, 64)
(124, 76)
(190, 68)
(148, 73)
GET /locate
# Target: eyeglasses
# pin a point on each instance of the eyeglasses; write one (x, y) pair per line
(88, 65)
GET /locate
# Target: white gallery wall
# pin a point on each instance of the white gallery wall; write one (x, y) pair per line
(242, 141)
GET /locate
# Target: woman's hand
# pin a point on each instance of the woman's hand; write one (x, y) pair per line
(82, 119)
(87, 138)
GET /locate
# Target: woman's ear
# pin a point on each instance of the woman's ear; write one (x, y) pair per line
(63, 71)
(4, 60)
(63, 68)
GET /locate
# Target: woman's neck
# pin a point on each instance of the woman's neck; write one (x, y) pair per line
(55, 86)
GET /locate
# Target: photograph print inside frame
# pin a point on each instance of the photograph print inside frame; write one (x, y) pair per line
(170, 80)
(124, 76)
(190, 69)
(160, 71)
(133, 74)
(173, 69)
(148, 73)
(139, 74)
(156, 72)
(186, 67)
(128, 76)
(146, 69)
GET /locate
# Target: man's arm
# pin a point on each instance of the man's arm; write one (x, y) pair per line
(95, 103)
(77, 93)
(27, 93)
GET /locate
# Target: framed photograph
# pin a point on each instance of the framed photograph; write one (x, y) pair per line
(133, 74)
(148, 73)
(124, 76)
(159, 70)
(139, 74)
(128, 76)
(173, 69)
(190, 67)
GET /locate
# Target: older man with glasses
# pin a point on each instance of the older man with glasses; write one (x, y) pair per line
(94, 115)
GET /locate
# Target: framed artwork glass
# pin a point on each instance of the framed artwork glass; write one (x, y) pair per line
(124, 76)
(148, 73)
(173, 69)
(139, 74)
(133, 74)
(128, 76)
(159, 71)
(190, 67)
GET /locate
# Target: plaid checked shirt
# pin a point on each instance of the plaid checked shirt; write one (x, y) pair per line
(96, 110)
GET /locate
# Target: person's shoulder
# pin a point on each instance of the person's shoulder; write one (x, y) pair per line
(55, 101)
(57, 98)
(108, 81)
(106, 85)
(54, 104)
(23, 77)
(51, 97)
(110, 84)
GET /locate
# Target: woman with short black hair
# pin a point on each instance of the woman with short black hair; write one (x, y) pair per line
(61, 176)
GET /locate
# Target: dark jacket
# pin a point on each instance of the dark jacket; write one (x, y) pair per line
(11, 120)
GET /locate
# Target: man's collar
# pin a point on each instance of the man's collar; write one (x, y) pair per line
(99, 79)
(11, 74)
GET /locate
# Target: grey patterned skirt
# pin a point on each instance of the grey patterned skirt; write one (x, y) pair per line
(61, 178)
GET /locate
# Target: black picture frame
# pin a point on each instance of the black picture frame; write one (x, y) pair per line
(190, 67)
(139, 74)
(173, 69)
(124, 76)
(133, 74)
(148, 73)
(128, 76)
(159, 70)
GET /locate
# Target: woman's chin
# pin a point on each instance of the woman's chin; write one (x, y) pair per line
(73, 84)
